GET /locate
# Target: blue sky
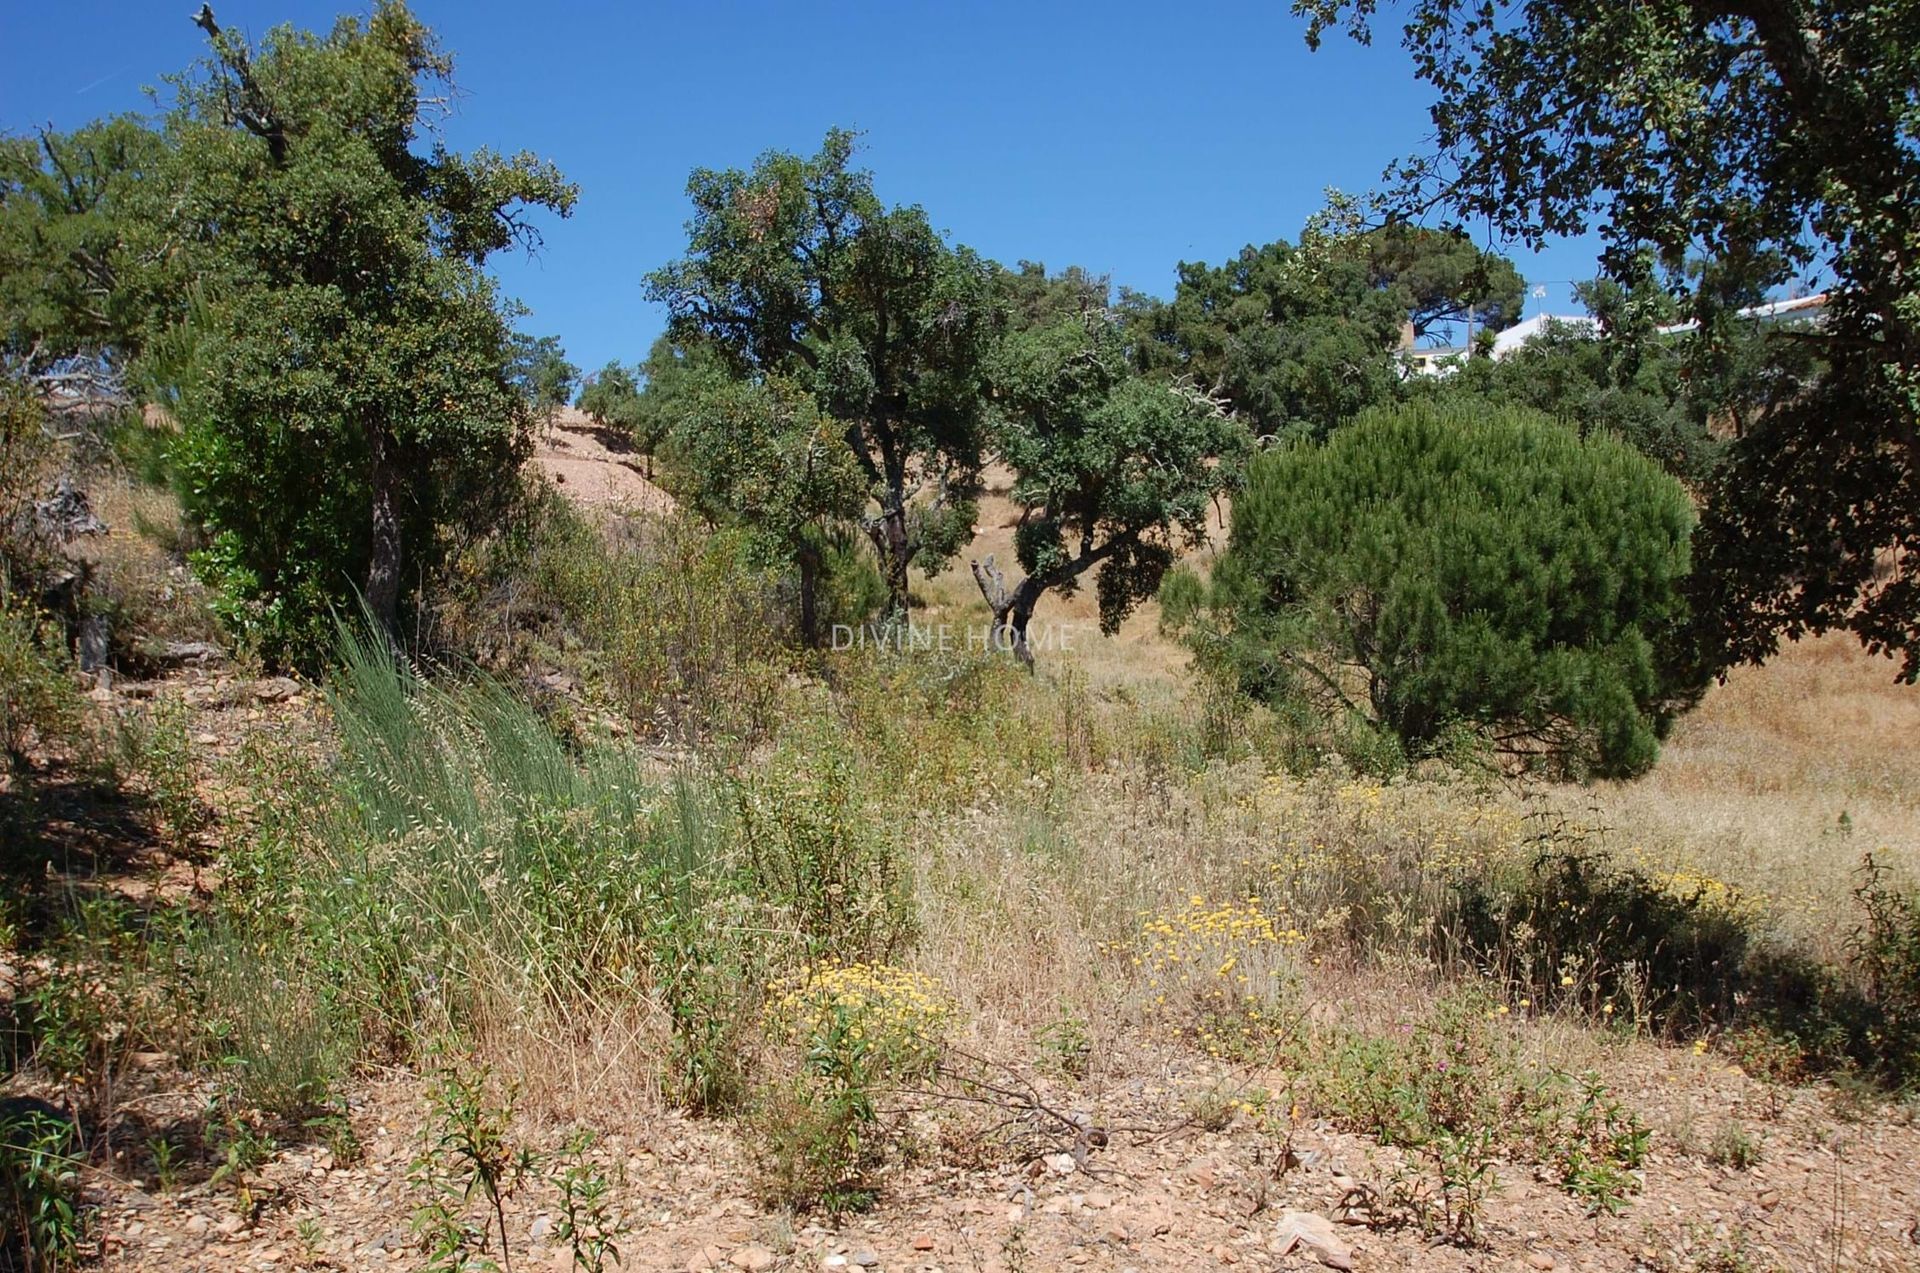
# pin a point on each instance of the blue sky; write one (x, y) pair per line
(1124, 137)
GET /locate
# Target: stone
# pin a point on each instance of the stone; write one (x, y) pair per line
(542, 1228)
(923, 1243)
(276, 689)
(1541, 1260)
(753, 1259)
(865, 1259)
(1314, 1234)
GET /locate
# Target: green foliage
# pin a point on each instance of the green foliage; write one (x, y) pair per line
(852, 1030)
(797, 269)
(468, 1157)
(1885, 950)
(538, 366)
(156, 752)
(1296, 339)
(1593, 386)
(341, 375)
(1299, 338)
(42, 1222)
(1113, 470)
(1601, 1144)
(40, 707)
(71, 279)
(1677, 948)
(1734, 1146)
(609, 395)
(1782, 141)
(1437, 566)
(1440, 278)
(589, 1225)
(759, 455)
(1453, 1090)
(817, 853)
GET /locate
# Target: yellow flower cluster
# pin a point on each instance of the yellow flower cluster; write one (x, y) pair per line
(1707, 892)
(1216, 968)
(895, 1013)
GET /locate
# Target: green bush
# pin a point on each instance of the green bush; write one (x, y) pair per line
(41, 1220)
(1435, 566)
(39, 703)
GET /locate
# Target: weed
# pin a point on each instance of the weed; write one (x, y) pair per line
(1734, 1146)
(1066, 1047)
(156, 751)
(241, 1147)
(468, 1155)
(1600, 1148)
(166, 1163)
(42, 1224)
(588, 1225)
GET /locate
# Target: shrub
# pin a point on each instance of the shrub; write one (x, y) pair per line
(1218, 972)
(848, 1030)
(820, 855)
(41, 1221)
(1443, 564)
(39, 703)
(1582, 930)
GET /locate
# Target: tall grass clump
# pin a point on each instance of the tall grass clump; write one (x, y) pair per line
(461, 871)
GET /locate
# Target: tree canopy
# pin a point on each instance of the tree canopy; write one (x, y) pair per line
(1113, 469)
(343, 364)
(79, 275)
(1296, 338)
(1436, 566)
(797, 269)
(1779, 141)
(540, 368)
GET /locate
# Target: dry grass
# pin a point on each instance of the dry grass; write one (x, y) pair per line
(1781, 779)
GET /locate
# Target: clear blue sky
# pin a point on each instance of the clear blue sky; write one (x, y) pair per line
(1124, 137)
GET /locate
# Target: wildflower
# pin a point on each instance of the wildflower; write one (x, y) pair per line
(1566, 980)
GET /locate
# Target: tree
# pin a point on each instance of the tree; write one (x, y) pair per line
(760, 455)
(1590, 385)
(74, 291)
(1293, 339)
(1298, 338)
(1432, 566)
(608, 395)
(1778, 139)
(1112, 469)
(539, 368)
(1443, 279)
(347, 387)
(796, 270)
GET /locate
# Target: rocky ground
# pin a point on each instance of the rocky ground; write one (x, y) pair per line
(595, 466)
(1826, 1194)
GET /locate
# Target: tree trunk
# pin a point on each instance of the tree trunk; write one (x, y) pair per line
(896, 555)
(1012, 610)
(383, 565)
(808, 559)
